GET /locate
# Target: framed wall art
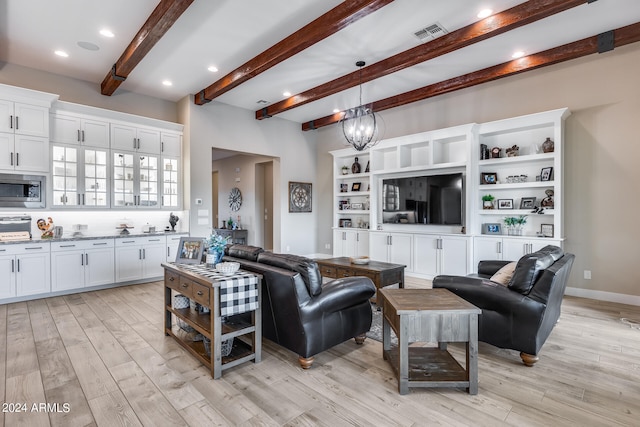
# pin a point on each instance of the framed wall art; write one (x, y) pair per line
(299, 196)
(546, 174)
(190, 250)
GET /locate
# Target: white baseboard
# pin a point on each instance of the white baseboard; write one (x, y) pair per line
(603, 296)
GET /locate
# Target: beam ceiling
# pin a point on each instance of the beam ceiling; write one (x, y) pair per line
(492, 26)
(161, 19)
(595, 44)
(331, 22)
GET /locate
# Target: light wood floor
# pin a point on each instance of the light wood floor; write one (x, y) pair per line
(104, 354)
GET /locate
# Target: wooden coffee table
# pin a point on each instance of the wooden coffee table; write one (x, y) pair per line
(381, 273)
(429, 316)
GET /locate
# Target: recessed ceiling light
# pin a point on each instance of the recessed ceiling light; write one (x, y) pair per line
(517, 54)
(107, 33)
(167, 83)
(335, 110)
(213, 69)
(485, 13)
(61, 53)
(287, 94)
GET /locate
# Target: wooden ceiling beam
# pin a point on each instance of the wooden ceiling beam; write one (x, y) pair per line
(331, 22)
(596, 44)
(161, 19)
(492, 26)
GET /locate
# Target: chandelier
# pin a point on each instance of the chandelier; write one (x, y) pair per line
(360, 126)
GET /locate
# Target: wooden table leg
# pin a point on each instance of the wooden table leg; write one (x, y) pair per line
(403, 356)
(472, 354)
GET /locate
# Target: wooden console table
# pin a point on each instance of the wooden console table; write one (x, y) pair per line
(429, 316)
(216, 292)
(381, 273)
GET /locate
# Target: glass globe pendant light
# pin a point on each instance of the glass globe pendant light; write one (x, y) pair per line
(360, 126)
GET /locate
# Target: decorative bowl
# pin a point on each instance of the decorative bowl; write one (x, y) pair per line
(227, 268)
(362, 260)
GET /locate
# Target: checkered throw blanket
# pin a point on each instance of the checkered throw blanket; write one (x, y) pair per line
(238, 292)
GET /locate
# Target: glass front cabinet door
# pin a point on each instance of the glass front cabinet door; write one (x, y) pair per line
(170, 188)
(135, 180)
(79, 177)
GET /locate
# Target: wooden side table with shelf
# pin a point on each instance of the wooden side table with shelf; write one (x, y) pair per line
(203, 285)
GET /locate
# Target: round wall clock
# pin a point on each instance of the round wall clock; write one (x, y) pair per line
(235, 199)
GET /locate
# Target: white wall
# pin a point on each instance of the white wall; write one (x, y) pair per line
(601, 157)
(220, 126)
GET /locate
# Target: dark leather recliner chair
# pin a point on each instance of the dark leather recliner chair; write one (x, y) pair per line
(301, 313)
(519, 316)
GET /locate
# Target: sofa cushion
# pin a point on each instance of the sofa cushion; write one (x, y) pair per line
(530, 266)
(307, 268)
(503, 276)
(244, 251)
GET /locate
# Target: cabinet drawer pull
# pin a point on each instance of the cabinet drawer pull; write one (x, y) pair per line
(67, 246)
(171, 279)
(129, 241)
(199, 293)
(35, 247)
(154, 240)
(185, 285)
(99, 244)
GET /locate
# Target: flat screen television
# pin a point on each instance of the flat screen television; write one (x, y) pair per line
(429, 199)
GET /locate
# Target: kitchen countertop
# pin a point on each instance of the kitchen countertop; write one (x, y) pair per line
(70, 237)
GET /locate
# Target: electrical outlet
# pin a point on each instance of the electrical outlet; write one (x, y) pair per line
(288, 248)
(587, 274)
(327, 246)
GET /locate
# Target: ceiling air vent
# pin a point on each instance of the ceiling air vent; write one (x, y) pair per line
(430, 32)
(262, 101)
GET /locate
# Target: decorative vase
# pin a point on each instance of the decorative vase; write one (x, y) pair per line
(355, 167)
(548, 146)
(214, 258)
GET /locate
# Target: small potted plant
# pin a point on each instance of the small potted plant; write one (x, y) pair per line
(345, 170)
(515, 224)
(487, 201)
(215, 248)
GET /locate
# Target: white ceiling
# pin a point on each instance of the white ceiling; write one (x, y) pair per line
(227, 33)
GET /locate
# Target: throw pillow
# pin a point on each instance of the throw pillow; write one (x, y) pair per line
(503, 276)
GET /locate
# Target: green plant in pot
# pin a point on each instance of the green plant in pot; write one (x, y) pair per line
(515, 224)
(487, 201)
(215, 247)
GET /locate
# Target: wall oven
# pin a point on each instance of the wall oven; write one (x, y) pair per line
(22, 191)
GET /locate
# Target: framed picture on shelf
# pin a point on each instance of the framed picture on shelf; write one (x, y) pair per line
(355, 186)
(505, 203)
(488, 177)
(546, 174)
(527, 203)
(344, 188)
(491, 228)
(190, 250)
(546, 230)
(356, 206)
(344, 222)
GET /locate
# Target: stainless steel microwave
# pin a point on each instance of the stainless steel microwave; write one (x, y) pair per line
(22, 191)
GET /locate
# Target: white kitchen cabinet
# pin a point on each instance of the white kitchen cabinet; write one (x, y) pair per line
(140, 257)
(350, 243)
(24, 119)
(396, 248)
(131, 138)
(25, 269)
(171, 144)
(173, 242)
(514, 249)
(436, 255)
(84, 263)
(24, 153)
(71, 129)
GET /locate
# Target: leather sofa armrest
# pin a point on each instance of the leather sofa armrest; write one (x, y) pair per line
(489, 268)
(485, 294)
(342, 293)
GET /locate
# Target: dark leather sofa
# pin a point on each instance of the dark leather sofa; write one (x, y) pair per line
(519, 316)
(298, 311)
